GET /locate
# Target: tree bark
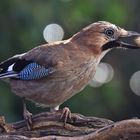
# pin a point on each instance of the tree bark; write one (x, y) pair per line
(49, 126)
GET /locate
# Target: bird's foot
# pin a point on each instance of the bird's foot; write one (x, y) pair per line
(28, 119)
(66, 114)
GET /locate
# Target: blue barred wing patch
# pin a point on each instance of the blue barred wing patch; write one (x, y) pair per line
(34, 71)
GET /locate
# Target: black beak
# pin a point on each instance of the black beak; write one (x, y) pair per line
(126, 39)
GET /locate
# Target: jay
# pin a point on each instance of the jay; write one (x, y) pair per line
(52, 73)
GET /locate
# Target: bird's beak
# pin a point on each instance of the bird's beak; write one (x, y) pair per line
(126, 39)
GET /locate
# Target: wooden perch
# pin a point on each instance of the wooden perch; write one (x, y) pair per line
(48, 126)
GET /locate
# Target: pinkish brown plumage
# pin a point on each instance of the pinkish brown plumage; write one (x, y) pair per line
(69, 64)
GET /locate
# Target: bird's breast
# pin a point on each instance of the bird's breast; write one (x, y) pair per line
(86, 73)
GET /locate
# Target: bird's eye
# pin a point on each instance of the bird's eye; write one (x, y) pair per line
(109, 32)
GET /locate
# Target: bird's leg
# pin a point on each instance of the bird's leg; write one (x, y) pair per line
(66, 113)
(27, 115)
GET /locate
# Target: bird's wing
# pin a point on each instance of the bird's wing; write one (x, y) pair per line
(27, 66)
(55, 60)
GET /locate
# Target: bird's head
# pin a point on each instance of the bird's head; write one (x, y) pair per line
(102, 36)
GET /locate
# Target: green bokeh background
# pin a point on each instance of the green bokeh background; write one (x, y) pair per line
(21, 28)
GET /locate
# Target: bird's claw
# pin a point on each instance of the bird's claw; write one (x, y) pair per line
(28, 119)
(66, 114)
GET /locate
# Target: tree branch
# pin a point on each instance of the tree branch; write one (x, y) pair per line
(49, 126)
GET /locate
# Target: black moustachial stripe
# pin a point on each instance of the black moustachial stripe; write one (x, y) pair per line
(110, 45)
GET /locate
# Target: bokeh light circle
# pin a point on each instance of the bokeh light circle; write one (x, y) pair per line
(53, 32)
(135, 83)
(104, 74)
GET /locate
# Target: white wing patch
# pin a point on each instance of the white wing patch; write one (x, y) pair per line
(10, 68)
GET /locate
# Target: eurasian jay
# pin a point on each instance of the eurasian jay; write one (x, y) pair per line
(52, 73)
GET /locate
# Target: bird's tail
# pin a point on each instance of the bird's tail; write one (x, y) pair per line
(8, 74)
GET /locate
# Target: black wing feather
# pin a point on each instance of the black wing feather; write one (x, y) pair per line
(19, 64)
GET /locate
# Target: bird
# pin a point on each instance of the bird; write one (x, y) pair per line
(52, 73)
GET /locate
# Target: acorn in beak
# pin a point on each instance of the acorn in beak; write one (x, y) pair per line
(129, 39)
(126, 39)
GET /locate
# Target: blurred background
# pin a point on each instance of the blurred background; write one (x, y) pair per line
(114, 93)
